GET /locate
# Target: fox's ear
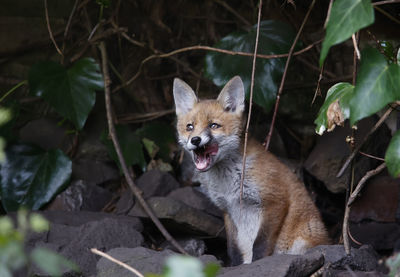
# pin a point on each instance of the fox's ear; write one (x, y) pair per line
(231, 97)
(184, 97)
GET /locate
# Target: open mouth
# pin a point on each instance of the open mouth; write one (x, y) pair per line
(203, 156)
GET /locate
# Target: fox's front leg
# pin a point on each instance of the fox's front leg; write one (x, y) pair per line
(235, 256)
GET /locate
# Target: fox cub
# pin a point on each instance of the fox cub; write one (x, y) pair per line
(276, 214)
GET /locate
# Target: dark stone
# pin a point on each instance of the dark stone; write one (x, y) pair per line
(195, 199)
(142, 259)
(379, 200)
(331, 151)
(74, 241)
(125, 202)
(278, 265)
(81, 196)
(181, 217)
(363, 259)
(351, 273)
(156, 183)
(94, 171)
(382, 236)
(45, 133)
(194, 247)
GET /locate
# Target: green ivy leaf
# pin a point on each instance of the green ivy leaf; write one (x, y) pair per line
(339, 92)
(275, 38)
(346, 18)
(131, 147)
(30, 177)
(71, 92)
(51, 262)
(392, 157)
(377, 85)
(163, 135)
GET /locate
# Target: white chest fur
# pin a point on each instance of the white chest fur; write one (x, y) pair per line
(222, 185)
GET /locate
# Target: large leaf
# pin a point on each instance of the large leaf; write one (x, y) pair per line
(392, 157)
(274, 38)
(31, 177)
(336, 102)
(163, 135)
(378, 84)
(346, 18)
(131, 147)
(71, 92)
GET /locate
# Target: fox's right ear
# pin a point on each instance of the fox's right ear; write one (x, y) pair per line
(184, 97)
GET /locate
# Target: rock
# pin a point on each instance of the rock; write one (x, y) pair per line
(83, 217)
(362, 259)
(142, 259)
(94, 171)
(382, 236)
(182, 217)
(379, 201)
(351, 273)
(331, 151)
(156, 183)
(125, 202)
(81, 196)
(45, 133)
(104, 235)
(73, 234)
(195, 199)
(278, 265)
(194, 247)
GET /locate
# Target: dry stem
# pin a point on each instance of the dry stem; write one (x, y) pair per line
(355, 151)
(49, 28)
(208, 48)
(118, 262)
(364, 179)
(253, 70)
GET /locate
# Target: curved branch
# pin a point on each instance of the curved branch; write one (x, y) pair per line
(208, 48)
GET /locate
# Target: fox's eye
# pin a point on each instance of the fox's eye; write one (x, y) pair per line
(189, 127)
(214, 125)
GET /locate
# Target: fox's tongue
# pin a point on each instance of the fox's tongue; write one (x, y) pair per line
(203, 158)
(202, 161)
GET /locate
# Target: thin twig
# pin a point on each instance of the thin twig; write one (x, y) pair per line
(345, 227)
(233, 11)
(318, 88)
(355, 151)
(49, 28)
(253, 70)
(278, 96)
(328, 14)
(356, 55)
(111, 127)
(138, 118)
(208, 48)
(371, 156)
(388, 15)
(385, 2)
(364, 179)
(356, 50)
(118, 262)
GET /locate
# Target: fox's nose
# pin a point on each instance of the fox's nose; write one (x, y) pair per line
(195, 140)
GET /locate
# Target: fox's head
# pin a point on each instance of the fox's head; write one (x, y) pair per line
(209, 129)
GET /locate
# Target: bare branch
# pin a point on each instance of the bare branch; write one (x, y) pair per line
(118, 262)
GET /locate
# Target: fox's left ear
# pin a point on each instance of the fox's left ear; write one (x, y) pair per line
(231, 97)
(184, 97)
